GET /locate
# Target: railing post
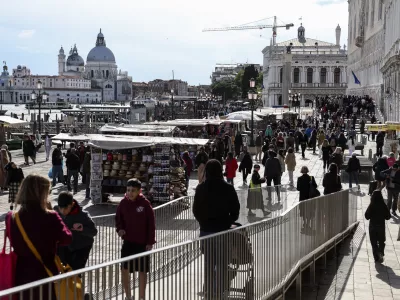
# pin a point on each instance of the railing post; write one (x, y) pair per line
(298, 285)
(312, 272)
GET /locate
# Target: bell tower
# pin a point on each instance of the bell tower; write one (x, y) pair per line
(61, 61)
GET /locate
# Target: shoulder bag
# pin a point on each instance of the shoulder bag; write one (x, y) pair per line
(65, 289)
(313, 190)
(8, 262)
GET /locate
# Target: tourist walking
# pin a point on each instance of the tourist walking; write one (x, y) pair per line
(290, 161)
(353, 169)
(290, 141)
(5, 147)
(245, 165)
(201, 160)
(73, 165)
(272, 173)
(303, 140)
(321, 139)
(337, 158)
(86, 170)
(392, 176)
(377, 212)
(238, 143)
(331, 181)
(380, 139)
(255, 197)
(135, 224)
(3, 170)
(231, 166)
(47, 145)
(378, 167)
(216, 207)
(304, 185)
(188, 167)
(326, 154)
(28, 148)
(391, 159)
(259, 142)
(281, 158)
(46, 231)
(15, 175)
(313, 140)
(57, 170)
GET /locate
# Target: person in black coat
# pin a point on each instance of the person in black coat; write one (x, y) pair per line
(378, 167)
(380, 139)
(331, 181)
(326, 154)
(303, 139)
(303, 186)
(216, 207)
(377, 212)
(353, 169)
(342, 142)
(28, 148)
(273, 173)
(246, 165)
(313, 140)
(255, 197)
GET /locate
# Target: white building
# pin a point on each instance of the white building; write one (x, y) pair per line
(390, 66)
(366, 48)
(315, 68)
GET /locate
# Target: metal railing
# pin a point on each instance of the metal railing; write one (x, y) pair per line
(175, 222)
(254, 261)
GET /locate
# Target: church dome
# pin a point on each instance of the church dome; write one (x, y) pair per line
(74, 59)
(100, 53)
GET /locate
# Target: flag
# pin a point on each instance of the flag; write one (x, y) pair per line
(356, 81)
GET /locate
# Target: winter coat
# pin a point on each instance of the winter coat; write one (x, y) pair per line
(272, 168)
(72, 162)
(28, 148)
(353, 165)
(337, 159)
(86, 163)
(246, 163)
(216, 205)
(56, 157)
(290, 161)
(303, 186)
(201, 158)
(331, 183)
(259, 141)
(290, 140)
(15, 175)
(231, 166)
(80, 239)
(378, 167)
(321, 138)
(326, 152)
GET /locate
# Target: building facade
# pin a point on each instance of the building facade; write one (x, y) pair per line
(179, 87)
(390, 66)
(306, 66)
(366, 48)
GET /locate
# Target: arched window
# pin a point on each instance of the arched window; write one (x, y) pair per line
(309, 75)
(280, 100)
(296, 75)
(103, 74)
(107, 73)
(77, 69)
(323, 75)
(336, 76)
(77, 95)
(280, 75)
(108, 86)
(92, 73)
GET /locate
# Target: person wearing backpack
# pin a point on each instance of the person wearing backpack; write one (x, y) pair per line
(331, 181)
(392, 176)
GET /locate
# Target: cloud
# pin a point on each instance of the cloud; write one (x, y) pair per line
(26, 33)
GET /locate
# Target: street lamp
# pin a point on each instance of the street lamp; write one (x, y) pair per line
(39, 98)
(172, 104)
(252, 95)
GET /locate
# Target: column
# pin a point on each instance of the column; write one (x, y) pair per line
(303, 75)
(286, 78)
(316, 80)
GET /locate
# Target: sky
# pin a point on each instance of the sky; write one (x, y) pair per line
(151, 38)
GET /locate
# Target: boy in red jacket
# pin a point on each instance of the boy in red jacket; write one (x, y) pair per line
(136, 226)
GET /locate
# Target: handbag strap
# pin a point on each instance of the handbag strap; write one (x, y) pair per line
(7, 233)
(30, 245)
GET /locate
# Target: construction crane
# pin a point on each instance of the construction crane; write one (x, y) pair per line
(274, 27)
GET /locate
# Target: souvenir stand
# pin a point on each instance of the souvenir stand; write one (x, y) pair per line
(391, 138)
(152, 160)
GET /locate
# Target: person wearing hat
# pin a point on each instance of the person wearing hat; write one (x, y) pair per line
(353, 169)
(83, 231)
(135, 224)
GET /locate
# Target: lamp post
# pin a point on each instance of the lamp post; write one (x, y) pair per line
(297, 101)
(39, 98)
(290, 98)
(252, 95)
(172, 104)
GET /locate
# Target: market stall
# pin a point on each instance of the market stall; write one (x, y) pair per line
(392, 138)
(155, 161)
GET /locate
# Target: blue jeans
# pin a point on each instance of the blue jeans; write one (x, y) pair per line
(353, 175)
(58, 174)
(216, 280)
(74, 174)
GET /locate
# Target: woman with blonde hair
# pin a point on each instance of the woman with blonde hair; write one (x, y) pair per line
(4, 160)
(45, 230)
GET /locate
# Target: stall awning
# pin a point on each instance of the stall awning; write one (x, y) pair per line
(72, 137)
(132, 128)
(117, 142)
(377, 127)
(8, 121)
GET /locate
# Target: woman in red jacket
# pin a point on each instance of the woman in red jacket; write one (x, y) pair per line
(46, 231)
(231, 166)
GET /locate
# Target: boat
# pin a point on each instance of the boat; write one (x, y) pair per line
(2, 111)
(59, 104)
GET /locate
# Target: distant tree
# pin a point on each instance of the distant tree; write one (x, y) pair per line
(227, 89)
(259, 81)
(238, 81)
(249, 72)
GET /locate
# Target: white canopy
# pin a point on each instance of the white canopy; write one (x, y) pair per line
(12, 122)
(243, 117)
(193, 122)
(133, 128)
(116, 142)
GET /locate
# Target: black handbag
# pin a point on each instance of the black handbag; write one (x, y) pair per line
(313, 190)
